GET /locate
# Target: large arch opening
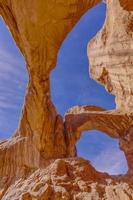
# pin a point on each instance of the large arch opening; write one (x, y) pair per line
(70, 81)
(103, 152)
(71, 85)
(13, 79)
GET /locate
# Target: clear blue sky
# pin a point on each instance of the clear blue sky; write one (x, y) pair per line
(70, 86)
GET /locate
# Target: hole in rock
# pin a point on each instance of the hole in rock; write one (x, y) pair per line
(13, 78)
(71, 85)
(103, 152)
(70, 81)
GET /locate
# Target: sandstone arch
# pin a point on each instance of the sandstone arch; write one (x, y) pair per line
(38, 28)
(110, 64)
(39, 37)
(112, 123)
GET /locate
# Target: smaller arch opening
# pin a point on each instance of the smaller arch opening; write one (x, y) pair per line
(103, 152)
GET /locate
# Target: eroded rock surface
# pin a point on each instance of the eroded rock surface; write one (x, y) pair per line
(111, 55)
(40, 161)
(72, 178)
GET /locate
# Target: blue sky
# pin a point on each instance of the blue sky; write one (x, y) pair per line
(70, 86)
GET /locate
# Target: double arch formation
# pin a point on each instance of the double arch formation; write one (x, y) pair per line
(38, 28)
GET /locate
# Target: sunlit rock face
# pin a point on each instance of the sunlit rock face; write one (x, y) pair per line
(40, 161)
(111, 54)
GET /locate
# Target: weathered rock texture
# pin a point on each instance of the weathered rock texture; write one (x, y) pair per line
(39, 161)
(111, 55)
(38, 27)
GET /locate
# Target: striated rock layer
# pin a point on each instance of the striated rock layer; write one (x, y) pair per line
(40, 161)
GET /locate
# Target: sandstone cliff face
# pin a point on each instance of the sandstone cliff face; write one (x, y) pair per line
(39, 161)
(111, 55)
